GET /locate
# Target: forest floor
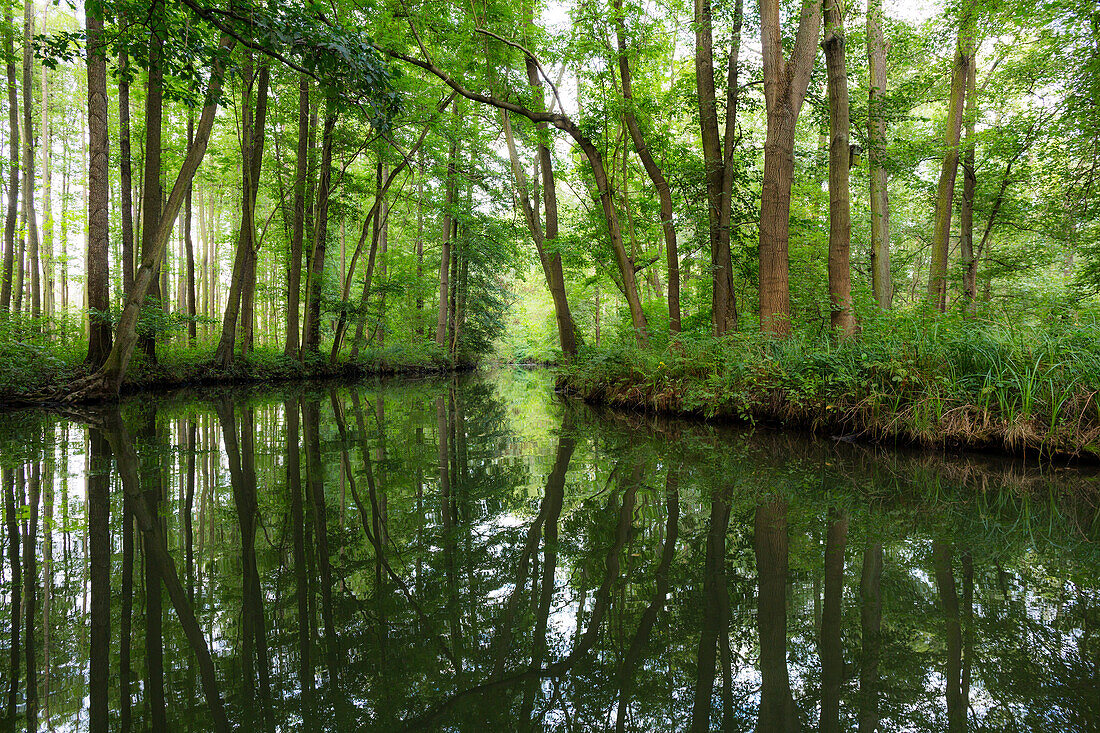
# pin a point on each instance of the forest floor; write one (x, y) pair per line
(957, 384)
(27, 370)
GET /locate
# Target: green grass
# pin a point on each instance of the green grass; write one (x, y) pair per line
(949, 380)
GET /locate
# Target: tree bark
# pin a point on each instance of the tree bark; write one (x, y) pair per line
(107, 381)
(945, 191)
(966, 210)
(785, 82)
(842, 317)
(126, 180)
(443, 314)
(242, 283)
(11, 215)
(656, 176)
(311, 339)
(881, 282)
(99, 290)
(189, 244)
(28, 158)
(294, 268)
(152, 192)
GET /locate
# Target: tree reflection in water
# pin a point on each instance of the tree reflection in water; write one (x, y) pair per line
(475, 554)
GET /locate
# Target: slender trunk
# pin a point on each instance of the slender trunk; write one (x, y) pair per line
(107, 381)
(842, 316)
(98, 285)
(47, 196)
(443, 315)
(311, 340)
(945, 192)
(126, 180)
(30, 595)
(881, 283)
(664, 192)
(189, 244)
(28, 159)
(152, 192)
(966, 211)
(11, 215)
(239, 304)
(785, 82)
(294, 267)
(15, 588)
(714, 625)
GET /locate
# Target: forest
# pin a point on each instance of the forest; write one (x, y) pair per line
(772, 210)
(579, 365)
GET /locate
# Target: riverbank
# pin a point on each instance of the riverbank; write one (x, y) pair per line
(954, 384)
(27, 370)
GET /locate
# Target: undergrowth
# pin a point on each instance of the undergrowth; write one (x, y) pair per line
(950, 380)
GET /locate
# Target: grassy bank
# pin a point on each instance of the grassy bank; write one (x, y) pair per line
(934, 382)
(29, 367)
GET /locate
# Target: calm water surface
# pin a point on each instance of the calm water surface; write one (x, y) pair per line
(477, 554)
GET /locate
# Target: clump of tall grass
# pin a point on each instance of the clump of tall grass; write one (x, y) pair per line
(936, 381)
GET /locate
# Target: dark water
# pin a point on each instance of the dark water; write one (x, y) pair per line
(479, 555)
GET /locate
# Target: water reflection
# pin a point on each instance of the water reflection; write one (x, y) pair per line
(476, 555)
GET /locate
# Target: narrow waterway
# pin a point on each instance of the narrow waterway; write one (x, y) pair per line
(479, 554)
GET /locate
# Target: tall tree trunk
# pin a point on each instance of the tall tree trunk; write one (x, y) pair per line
(785, 82)
(152, 192)
(714, 624)
(311, 340)
(107, 381)
(966, 211)
(28, 157)
(718, 170)
(99, 289)
(294, 267)
(842, 316)
(443, 315)
(126, 175)
(189, 244)
(47, 196)
(30, 594)
(664, 192)
(12, 214)
(238, 306)
(567, 328)
(945, 191)
(881, 284)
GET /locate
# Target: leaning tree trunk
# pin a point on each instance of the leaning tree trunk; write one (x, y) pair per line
(945, 191)
(99, 290)
(785, 83)
(842, 316)
(881, 284)
(664, 192)
(107, 381)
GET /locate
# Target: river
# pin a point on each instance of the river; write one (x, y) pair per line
(480, 554)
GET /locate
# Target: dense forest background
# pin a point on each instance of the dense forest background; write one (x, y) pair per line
(196, 183)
